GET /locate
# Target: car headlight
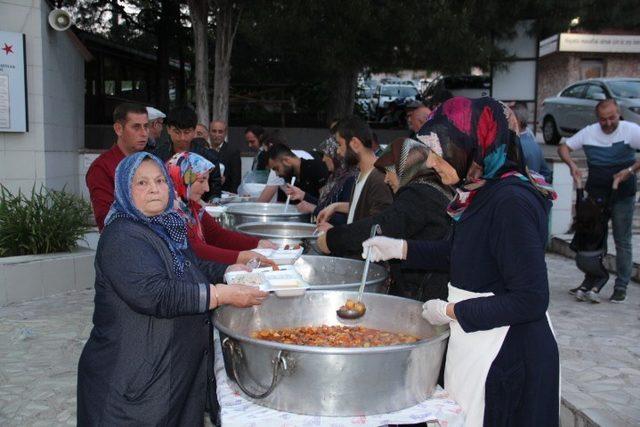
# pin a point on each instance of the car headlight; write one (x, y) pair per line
(635, 109)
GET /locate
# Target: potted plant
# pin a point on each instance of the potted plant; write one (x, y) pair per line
(39, 233)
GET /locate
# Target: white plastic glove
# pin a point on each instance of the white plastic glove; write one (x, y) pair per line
(434, 311)
(383, 248)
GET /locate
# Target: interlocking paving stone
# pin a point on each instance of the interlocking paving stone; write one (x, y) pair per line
(41, 341)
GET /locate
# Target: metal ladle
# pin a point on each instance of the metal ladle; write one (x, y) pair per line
(359, 308)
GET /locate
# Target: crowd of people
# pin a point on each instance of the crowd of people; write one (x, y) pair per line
(462, 206)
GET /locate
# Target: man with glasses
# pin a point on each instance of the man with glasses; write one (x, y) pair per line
(181, 127)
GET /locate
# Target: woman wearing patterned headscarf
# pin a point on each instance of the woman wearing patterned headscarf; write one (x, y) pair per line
(189, 173)
(502, 362)
(418, 212)
(149, 354)
(338, 188)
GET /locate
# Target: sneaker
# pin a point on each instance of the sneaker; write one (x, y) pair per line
(593, 296)
(574, 290)
(618, 296)
(581, 294)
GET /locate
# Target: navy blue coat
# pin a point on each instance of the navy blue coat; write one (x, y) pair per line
(148, 360)
(498, 246)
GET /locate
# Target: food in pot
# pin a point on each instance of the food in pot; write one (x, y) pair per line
(248, 279)
(334, 336)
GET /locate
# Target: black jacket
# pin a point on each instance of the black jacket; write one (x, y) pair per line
(230, 157)
(418, 212)
(149, 358)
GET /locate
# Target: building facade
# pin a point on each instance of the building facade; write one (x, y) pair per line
(46, 154)
(568, 57)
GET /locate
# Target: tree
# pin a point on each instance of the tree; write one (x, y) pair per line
(199, 13)
(227, 17)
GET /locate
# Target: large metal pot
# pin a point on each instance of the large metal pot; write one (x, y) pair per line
(339, 274)
(327, 380)
(240, 213)
(282, 233)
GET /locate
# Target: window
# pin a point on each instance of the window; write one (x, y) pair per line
(625, 88)
(595, 92)
(574, 91)
(591, 68)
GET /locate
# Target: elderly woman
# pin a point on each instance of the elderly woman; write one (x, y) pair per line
(502, 360)
(148, 360)
(338, 188)
(418, 212)
(189, 173)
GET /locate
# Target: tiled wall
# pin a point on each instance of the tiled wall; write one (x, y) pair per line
(47, 154)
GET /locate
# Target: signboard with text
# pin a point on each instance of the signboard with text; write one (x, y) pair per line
(13, 83)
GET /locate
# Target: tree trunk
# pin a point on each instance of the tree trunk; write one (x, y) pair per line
(343, 91)
(199, 11)
(227, 18)
(165, 33)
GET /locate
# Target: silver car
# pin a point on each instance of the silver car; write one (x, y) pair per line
(574, 107)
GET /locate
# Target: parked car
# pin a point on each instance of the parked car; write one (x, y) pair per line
(574, 107)
(460, 85)
(385, 94)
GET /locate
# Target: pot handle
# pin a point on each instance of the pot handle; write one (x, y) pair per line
(278, 362)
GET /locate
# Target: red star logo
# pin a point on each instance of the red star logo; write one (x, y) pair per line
(7, 49)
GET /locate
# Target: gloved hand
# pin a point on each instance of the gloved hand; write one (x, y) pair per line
(383, 248)
(434, 311)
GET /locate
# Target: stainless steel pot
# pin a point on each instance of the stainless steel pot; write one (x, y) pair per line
(326, 380)
(339, 274)
(282, 233)
(240, 213)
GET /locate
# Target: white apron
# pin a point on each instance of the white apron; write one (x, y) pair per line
(469, 358)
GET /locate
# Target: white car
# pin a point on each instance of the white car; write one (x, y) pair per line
(574, 107)
(387, 93)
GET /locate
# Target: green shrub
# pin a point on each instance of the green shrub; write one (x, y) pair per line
(47, 221)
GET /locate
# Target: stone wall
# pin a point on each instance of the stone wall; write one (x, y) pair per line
(47, 153)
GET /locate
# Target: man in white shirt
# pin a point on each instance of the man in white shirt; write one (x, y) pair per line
(610, 147)
(370, 194)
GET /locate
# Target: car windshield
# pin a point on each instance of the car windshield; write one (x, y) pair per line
(398, 91)
(625, 89)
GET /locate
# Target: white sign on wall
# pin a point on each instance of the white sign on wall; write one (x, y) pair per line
(13, 83)
(571, 42)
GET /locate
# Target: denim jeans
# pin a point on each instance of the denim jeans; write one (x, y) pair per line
(622, 223)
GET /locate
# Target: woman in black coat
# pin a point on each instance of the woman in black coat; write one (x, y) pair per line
(502, 363)
(418, 212)
(148, 360)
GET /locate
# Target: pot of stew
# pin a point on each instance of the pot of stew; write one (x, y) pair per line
(296, 355)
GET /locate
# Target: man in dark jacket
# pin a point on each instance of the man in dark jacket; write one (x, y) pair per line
(229, 156)
(181, 124)
(311, 174)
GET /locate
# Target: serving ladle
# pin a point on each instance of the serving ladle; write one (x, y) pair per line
(356, 309)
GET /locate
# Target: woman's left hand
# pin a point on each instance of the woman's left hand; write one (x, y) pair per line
(435, 311)
(267, 244)
(305, 207)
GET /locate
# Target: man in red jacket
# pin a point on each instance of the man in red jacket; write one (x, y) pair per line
(131, 125)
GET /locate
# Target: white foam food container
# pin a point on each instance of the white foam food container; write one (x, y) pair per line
(281, 256)
(285, 282)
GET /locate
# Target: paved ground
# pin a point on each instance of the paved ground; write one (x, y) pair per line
(41, 340)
